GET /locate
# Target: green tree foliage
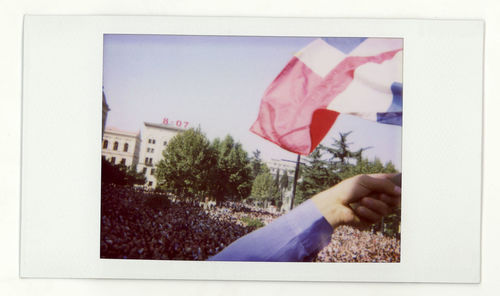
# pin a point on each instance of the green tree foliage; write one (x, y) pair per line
(188, 165)
(256, 163)
(365, 166)
(316, 176)
(264, 187)
(252, 222)
(392, 223)
(341, 155)
(328, 165)
(120, 174)
(340, 148)
(194, 167)
(284, 182)
(277, 178)
(233, 173)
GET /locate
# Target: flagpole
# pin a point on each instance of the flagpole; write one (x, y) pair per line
(295, 178)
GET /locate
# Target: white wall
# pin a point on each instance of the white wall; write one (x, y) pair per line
(130, 155)
(160, 136)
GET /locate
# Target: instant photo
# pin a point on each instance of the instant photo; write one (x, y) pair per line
(207, 139)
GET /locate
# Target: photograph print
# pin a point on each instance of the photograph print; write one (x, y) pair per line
(229, 148)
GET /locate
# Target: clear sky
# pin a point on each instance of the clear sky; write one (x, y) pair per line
(217, 83)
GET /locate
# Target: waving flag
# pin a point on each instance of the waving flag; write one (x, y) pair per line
(330, 77)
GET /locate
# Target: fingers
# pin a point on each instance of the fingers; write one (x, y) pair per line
(376, 205)
(368, 215)
(371, 209)
(396, 179)
(359, 200)
(382, 185)
(394, 201)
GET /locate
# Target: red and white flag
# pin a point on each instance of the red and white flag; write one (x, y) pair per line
(329, 77)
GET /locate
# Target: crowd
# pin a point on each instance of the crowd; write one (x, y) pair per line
(349, 244)
(134, 224)
(131, 227)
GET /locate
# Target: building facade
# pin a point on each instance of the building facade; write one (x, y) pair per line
(281, 166)
(155, 138)
(121, 147)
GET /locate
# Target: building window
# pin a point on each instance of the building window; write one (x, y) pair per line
(152, 171)
(125, 147)
(154, 141)
(115, 146)
(144, 170)
(113, 160)
(105, 144)
(152, 150)
(150, 183)
(164, 143)
(123, 161)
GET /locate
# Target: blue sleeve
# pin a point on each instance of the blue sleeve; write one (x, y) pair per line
(296, 236)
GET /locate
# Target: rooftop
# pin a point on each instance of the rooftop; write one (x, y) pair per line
(113, 130)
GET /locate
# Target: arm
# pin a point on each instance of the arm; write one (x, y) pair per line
(302, 233)
(295, 236)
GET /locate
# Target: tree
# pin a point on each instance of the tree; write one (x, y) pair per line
(341, 155)
(340, 148)
(188, 164)
(277, 178)
(256, 163)
(283, 187)
(120, 174)
(284, 181)
(365, 166)
(264, 187)
(233, 172)
(316, 176)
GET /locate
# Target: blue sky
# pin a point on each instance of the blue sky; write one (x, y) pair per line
(217, 83)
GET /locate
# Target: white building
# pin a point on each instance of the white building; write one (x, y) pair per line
(155, 138)
(281, 166)
(121, 147)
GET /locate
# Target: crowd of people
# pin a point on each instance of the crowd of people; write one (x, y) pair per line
(132, 228)
(134, 224)
(349, 244)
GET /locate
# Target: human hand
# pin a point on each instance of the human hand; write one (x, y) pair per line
(360, 200)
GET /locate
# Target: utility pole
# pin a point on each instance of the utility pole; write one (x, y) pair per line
(295, 178)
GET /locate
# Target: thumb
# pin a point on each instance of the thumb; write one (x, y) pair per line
(379, 185)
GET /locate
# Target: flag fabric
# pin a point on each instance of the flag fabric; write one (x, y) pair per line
(328, 78)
